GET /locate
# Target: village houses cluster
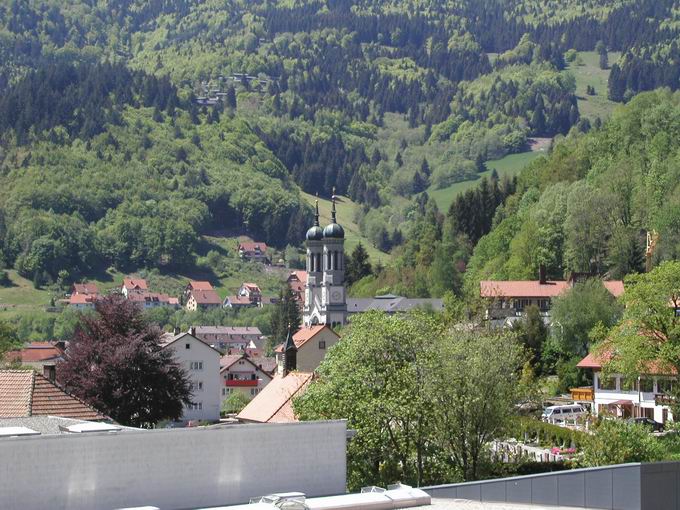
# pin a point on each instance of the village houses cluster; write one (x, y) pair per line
(222, 360)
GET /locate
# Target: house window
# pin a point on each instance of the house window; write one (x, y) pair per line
(628, 384)
(254, 391)
(200, 385)
(187, 346)
(606, 383)
(646, 384)
(196, 365)
(664, 385)
(224, 391)
(322, 344)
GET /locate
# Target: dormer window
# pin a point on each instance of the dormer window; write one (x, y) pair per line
(187, 346)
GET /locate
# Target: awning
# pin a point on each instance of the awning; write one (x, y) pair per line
(621, 403)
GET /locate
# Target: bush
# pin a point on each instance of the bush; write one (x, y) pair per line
(618, 442)
(4, 279)
(545, 434)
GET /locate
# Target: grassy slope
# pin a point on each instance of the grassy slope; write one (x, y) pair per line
(345, 208)
(590, 74)
(509, 165)
(22, 299)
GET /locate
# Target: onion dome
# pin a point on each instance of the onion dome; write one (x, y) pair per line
(315, 233)
(333, 231)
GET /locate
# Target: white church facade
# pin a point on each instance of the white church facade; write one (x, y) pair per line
(325, 293)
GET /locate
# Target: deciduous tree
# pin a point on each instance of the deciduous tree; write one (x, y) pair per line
(117, 364)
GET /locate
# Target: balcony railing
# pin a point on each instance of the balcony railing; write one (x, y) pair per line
(241, 382)
(583, 394)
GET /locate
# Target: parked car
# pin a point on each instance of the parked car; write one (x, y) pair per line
(560, 413)
(647, 422)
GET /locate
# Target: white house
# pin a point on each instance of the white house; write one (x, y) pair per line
(645, 396)
(239, 372)
(202, 363)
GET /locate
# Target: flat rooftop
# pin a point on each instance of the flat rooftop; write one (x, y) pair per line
(464, 504)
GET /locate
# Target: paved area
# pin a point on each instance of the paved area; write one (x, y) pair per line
(463, 504)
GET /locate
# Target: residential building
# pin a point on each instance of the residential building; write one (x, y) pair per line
(194, 285)
(312, 343)
(26, 393)
(249, 295)
(202, 364)
(201, 296)
(233, 340)
(508, 299)
(82, 301)
(390, 303)
(133, 285)
(274, 404)
(37, 355)
(325, 295)
(239, 372)
(297, 281)
(253, 251)
(86, 288)
(644, 396)
(146, 299)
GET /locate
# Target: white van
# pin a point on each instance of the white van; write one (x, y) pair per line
(560, 413)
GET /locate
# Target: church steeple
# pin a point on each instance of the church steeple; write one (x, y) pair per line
(289, 354)
(315, 233)
(333, 231)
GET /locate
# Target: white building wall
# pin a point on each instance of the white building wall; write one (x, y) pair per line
(644, 400)
(202, 364)
(172, 469)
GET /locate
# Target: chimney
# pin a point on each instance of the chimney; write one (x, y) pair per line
(50, 372)
(541, 275)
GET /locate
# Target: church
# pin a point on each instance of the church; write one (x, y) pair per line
(325, 296)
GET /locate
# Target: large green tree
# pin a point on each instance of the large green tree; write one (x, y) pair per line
(575, 313)
(286, 317)
(650, 328)
(117, 363)
(423, 400)
(358, 264)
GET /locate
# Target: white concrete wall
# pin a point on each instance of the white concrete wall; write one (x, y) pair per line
(171, 469)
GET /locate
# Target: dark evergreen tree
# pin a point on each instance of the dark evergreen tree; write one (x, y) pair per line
(358, 264)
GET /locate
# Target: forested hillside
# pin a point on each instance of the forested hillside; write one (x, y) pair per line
(129, 128)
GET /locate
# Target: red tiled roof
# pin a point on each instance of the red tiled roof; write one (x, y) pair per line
(228, 360)
(35, 351)
(249, 246)
(597, 360)
(274, 404)
(85, 288)
(252, 286)
(298, 275)
(306, 333)
(206, 297)
(135, 283)
(25, 393)
(82, 299)
(239, 300)
(142, 296)
(200, 285)
(534, 289)
(614, 286)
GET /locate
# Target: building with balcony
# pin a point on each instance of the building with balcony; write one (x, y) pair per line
(239, 372)
(615, 394)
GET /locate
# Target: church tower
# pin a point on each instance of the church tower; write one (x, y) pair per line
(325, 299)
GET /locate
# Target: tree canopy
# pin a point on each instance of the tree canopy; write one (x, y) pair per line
(117, 363)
